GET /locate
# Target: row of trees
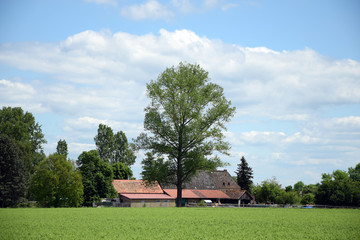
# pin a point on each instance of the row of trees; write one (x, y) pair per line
(341, 188)
(54, 180)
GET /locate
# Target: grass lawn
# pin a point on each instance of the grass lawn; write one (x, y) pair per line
(183, 223)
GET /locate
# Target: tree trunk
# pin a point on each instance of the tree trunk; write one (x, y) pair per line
(179, 195)
(179, 185)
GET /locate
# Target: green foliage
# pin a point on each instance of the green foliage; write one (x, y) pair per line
(185, 123)
(268, 192)
(121, 171)
(287, 197)
(57, 183)
(355, 173)
(114, 148)
(311, 188)
(157, 169)
(244, 174)
(339, 188)
(13, 177)
(201, 203)
(308, 198)
(97, 177)
(27, 134)
(175, 223)
(299, 187)
(123, 151)
(62, 148)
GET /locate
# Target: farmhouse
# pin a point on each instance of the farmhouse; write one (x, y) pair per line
(135, 193)
(217, 186)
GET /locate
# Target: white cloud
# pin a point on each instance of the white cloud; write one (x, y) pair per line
(301, 138)
(267, 82)
(18, 94)
(16, 91)
(347, 122)
(149, 10)
(100, 77)
(293, 117)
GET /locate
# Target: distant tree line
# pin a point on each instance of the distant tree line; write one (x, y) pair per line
(27, 174)
(341, 188)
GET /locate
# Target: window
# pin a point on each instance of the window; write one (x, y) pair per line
(228, 184)
(223, 184)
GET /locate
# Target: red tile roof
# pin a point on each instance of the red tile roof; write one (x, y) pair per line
(159, 196)
(198, 194)
(136, 186)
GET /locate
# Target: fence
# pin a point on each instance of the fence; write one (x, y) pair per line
(271, 206)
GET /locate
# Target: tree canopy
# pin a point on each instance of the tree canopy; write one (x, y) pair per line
(114, 147)
(97, 177)
(13, 177)
(121, 171)
(22, 128)
(184, 123)
(340, 188)
(57, 183)
(62, 148)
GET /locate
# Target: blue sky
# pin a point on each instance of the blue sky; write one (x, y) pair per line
(291, 68)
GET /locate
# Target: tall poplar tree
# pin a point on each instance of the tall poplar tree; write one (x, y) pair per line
(62, 148)
(114, 147)
(184, 124)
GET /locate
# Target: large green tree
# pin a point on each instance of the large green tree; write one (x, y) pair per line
(184, 123)
(97, 177)
(114, 147)
(57, 183)
(268, 192)
(339, 188)
(13, 177)
(244, 174)
(22, 128)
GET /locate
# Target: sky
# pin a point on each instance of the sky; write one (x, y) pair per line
(290, 67)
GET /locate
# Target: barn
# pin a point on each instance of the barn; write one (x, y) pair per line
(136, 193)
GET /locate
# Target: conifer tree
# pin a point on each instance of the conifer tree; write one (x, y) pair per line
(244, 174)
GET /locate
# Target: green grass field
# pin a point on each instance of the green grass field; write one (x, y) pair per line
(184, 223)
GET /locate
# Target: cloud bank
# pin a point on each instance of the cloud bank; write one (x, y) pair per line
(100, 77)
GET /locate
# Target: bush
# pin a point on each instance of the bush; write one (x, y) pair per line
(202, 203)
